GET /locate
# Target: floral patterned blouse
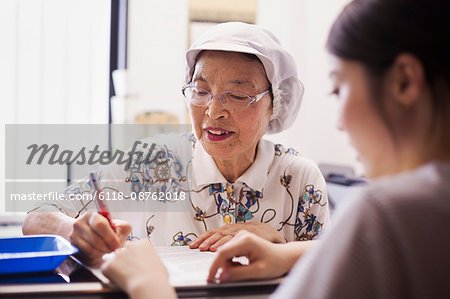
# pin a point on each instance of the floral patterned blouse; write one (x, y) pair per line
(173, 199)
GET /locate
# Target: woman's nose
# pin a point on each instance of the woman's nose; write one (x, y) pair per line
(216, 109)
(339, 124)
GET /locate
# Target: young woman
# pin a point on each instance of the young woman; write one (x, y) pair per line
(391, 75)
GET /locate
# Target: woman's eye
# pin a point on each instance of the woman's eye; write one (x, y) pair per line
(201, 93)
(335, 91)
(238, 97)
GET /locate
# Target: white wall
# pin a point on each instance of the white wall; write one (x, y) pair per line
(55, 62)
(157, 40)
(302, 27)
(56, 54)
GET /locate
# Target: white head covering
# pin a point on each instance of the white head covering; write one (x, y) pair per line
(279, 65)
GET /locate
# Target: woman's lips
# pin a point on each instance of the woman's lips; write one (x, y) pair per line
(217, 134)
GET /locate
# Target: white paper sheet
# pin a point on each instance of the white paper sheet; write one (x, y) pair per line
(189, 268)
(185, 266)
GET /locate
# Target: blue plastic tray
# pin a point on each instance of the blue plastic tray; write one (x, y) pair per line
(33, 253)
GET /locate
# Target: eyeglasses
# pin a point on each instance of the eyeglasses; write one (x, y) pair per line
(232, 100)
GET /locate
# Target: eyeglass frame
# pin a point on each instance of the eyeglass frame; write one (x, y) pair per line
(253, 99)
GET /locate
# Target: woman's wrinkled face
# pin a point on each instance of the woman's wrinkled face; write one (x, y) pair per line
(359, 118)
(227, 134)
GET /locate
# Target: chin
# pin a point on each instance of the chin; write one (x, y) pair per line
(374, 172)
(369, 170)
(221, 151)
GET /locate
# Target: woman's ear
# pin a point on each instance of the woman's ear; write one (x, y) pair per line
(408, 79)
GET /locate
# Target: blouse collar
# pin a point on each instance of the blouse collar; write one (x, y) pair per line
(205, 171)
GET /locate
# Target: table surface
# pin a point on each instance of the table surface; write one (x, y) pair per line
(84, 284)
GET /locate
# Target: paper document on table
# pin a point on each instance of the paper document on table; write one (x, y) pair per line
(186, 266)
(189, 268)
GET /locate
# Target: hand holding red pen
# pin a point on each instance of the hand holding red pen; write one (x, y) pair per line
(95, 234)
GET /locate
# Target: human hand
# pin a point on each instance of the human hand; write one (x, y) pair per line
(93, 236)
(213, 239)
(266, 259)
(137, 270)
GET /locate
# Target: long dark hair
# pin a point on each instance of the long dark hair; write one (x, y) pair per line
(375, 32)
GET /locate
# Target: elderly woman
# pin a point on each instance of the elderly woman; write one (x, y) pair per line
(240, 84)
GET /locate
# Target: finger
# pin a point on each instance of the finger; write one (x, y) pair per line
(235, 247)
(220, 242)
(210, 241)
(242, 233)
(88, 254)
(94, 240)
(112, 270)
(123, 230)
(237, 272)
(200, 239)
(101, 226)
(82, 230)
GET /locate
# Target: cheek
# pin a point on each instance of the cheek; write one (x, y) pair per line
(197, 115)
(254, 123)
(344, 109)
(353, 109)
(362, 124)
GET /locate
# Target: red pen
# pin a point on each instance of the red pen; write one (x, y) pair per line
(100, 203)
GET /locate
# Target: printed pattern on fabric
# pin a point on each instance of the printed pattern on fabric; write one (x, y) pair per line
(291, 199)
(307, 226)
